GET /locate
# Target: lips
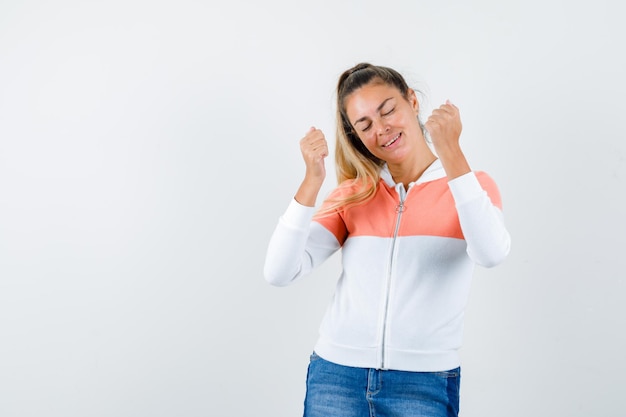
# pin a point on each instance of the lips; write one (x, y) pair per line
(392, 141)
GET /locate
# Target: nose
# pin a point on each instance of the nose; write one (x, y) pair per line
(382, 127)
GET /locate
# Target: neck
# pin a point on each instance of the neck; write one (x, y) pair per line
(410, 170)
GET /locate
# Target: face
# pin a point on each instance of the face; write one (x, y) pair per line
(385, 121)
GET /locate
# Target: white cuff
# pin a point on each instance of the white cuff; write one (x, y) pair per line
(465, 188)
(297, 215)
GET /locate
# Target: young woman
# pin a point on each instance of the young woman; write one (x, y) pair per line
(411, 224)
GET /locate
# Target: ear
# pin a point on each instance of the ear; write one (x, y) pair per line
(412, 97)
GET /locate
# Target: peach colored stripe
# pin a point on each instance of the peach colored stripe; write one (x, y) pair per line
(429, 211)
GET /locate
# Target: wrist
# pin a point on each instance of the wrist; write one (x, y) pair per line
(454, 162)
(313, 180)
(307, 193)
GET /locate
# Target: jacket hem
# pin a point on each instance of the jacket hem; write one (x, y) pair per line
(399, 360)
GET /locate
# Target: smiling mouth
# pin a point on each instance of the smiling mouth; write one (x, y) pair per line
(392, 141)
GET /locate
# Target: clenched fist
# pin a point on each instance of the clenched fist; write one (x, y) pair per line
(444, 127)
(314, 149)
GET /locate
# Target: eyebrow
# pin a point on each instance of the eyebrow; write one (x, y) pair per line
(377, 109)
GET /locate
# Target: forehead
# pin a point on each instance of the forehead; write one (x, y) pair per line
(367, 99)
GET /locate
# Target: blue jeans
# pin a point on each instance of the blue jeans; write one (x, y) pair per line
(342, 391)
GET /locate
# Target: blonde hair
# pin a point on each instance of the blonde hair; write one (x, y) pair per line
(356, 167)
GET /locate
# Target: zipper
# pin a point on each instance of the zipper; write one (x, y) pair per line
(399, 210)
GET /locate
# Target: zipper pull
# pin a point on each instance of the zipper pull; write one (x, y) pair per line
(400, 207)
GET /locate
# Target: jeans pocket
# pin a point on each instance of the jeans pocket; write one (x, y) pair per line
(452, 373)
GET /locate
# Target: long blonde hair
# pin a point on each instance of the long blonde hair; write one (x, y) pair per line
(355, 165)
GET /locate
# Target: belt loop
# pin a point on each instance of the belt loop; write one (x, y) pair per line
(373, 381)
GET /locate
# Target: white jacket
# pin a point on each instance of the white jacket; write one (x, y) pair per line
(407, 264)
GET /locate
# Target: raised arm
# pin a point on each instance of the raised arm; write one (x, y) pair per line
(298, 244)
(477, 199)
(314, 150)
(444, 126)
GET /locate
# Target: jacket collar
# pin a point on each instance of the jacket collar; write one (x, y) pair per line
(434, 171)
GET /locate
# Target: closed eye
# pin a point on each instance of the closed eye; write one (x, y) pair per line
(389, 112)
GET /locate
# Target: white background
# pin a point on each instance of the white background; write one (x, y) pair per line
(147, 150)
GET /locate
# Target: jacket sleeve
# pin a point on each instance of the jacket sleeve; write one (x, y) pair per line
(479, 208)
(297, 246)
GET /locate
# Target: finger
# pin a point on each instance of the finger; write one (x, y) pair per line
(315, 146)
(310, 137)
(430, 125)
(437, 118)
(449, 106)
(316, 138)
(320, 148)
(443, 115)
(454, 106)
(445, 109)
(313, 133)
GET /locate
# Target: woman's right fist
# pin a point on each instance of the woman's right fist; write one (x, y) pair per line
(314, 149)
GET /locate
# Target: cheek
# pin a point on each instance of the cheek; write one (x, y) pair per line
(368, 140)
